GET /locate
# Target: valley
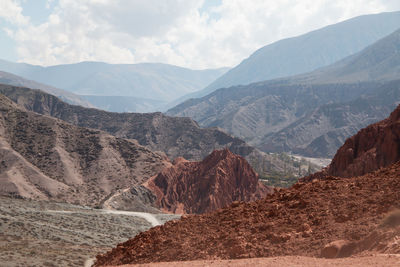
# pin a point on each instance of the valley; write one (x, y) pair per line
(125, 140)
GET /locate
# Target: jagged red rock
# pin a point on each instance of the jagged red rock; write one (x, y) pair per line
(198, 187)
(373, 147)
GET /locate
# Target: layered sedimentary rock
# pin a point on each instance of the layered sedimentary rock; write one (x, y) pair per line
(198, 187)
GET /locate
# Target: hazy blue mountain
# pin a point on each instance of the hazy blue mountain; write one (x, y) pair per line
(11, 79)
(151, 81)
(378, 62)
(307, 52)
(311, 114)
(125, 103)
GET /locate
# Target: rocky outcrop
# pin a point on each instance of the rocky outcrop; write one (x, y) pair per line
(199, 187)
(373, 147)
(297, 221)
(46, 158)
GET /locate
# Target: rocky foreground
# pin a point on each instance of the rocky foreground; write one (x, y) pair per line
(296, 221)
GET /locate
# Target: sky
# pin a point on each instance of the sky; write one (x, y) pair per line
(196, 34)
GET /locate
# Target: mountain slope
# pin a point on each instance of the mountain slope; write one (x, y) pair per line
(309, 51)
(11, 79)
(200, 187)
(153, 81)
(177, 137)
(325, 128)
(310, 114)
(378, 62)
(46, 158)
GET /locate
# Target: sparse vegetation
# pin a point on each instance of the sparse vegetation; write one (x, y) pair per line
(281, 170)
(278, 180)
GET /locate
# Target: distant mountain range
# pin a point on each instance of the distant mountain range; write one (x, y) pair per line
(158, 83)
(377, 62)
(306, 52)
(310, 114)
(125, 103)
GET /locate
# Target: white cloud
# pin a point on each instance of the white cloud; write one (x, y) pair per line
(11, 11)
(174, 31)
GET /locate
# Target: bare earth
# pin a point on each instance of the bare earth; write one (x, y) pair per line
(292, 261)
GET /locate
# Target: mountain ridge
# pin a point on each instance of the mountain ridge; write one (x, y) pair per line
(306, 48)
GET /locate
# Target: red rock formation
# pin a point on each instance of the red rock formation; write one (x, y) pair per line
(300, 220)
(198, 187)
(373, 147)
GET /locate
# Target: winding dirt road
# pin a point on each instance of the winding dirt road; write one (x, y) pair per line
(147, 216)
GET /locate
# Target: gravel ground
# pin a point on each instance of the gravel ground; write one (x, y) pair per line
(38, 233)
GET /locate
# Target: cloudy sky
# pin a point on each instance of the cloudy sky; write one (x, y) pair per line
(190, 33)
